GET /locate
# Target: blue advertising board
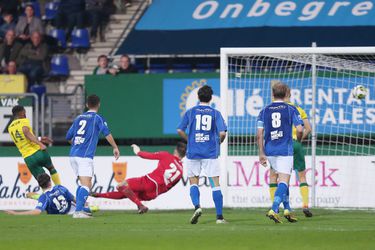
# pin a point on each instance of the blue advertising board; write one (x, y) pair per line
(219, 14)
(338, 112)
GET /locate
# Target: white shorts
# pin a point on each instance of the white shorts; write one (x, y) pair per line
(82, 166)
(202, 167)
(281, 164)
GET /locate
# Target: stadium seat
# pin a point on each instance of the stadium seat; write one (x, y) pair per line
(140, 68)
(60, 36)
(39, 90)
(158, 68)
(182, 68)
(205, 67)
(59, 66)
(50, 10)
(80, 39)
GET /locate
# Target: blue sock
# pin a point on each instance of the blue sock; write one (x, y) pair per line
(87, 210)
(218, 200)
(194, 195)
(286, 201)
(82, 194)
(279, 196)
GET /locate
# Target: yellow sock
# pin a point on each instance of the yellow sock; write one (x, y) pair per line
(273, 187)
(304, 188)
(56, 178)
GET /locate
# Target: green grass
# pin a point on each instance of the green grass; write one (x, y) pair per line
(248, 229)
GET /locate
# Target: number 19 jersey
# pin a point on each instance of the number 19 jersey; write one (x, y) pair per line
(84, 134)
(204, 125)
(277, 120)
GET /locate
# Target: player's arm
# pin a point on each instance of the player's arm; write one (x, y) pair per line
(30, 212)
(298, 123)
(111, 141)
(182, 127)
(221, 126)
(299, 132)
(145, 154)
(26, 131)
(222, 134)
(260, 141)
(307, 129)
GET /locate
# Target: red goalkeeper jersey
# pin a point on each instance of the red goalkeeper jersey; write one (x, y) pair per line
(168, 172)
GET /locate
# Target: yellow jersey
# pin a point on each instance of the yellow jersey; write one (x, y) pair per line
(303, 117)
(24, 145)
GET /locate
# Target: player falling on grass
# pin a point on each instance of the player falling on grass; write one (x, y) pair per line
(54, 200)
(207, 129)
(32, 150)
(84, 135)
(167, 174)
(275, 142)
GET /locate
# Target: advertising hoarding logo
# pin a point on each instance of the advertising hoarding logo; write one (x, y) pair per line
(119, 171)
(25, 174)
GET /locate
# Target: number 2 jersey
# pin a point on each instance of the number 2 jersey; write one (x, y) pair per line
(168, 172)
(58, 200)
(84, 134)
(277, 120)
(24, 145)
(204, 125)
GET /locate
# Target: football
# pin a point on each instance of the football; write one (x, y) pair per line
(359, 92)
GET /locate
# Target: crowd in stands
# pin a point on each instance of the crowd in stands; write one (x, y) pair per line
(105, 68)
(27, 43)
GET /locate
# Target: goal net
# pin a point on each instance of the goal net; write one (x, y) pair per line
(339, 152)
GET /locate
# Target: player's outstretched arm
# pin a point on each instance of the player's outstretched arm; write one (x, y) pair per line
(144, 154)
(30, 212)
(26, 131)
(262, 155)
(116, 151)
(182, 134)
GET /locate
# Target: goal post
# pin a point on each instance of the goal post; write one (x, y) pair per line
(342, 141)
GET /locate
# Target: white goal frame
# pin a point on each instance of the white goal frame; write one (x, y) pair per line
(243, 51)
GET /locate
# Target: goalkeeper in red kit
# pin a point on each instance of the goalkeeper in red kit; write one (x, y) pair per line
(167, 174)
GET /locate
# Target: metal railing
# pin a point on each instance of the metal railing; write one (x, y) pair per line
(59, 109)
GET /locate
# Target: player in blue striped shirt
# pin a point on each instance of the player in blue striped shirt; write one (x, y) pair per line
(84, 135)
(275, 142)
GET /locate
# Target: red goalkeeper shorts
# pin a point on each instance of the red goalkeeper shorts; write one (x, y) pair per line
(143, 187)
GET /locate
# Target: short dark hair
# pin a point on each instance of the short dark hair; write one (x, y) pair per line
(125, 55)
(181, 148)
(279, 90)
(93, 101)
(102, 56)
(17, 109)
(43, 180)
(205, 93)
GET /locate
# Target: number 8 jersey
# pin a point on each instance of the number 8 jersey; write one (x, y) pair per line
(204, 125)
(277, 120)
(84, 134)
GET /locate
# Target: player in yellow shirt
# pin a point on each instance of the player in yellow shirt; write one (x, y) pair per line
(299, 164)
(32, 150)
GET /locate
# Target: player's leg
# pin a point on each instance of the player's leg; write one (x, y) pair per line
(84, 169)
(115, 195)
(47, 162)
(212, 168)
(273, 183)
(300, 167)
(128, 188)
(32, 163)
(193, 171)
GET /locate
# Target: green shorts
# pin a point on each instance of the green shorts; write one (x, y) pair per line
(37, 161)
(299, 163)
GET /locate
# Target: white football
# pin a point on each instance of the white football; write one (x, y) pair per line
(359, 92)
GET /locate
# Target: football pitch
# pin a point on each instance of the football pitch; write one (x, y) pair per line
(248, 229)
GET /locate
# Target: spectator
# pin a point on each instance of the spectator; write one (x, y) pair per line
(8, 24)
(10, 6)
(10, 48)
(70, 14)
(125, 65)
(95, 10)
(11, 68)
(33, 59)
(28, 24)
(103, 67)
